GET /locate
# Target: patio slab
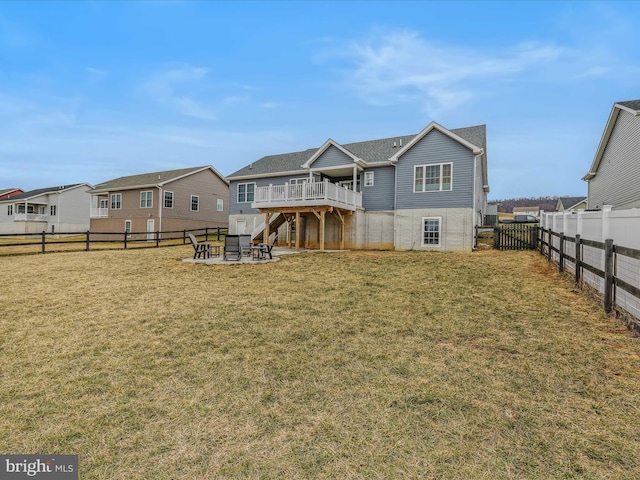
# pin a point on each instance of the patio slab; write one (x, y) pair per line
(276, 252)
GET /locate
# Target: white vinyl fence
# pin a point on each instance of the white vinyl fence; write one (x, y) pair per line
(592, 229)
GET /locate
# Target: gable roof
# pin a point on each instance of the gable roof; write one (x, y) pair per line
(6, 191)
(330, 143)
(42, 191)
(568, 202)
(371, 151)
(630, 106)
(153, 179)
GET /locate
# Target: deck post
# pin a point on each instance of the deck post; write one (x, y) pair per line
(265, 235)
(322, 215)
(298, 230)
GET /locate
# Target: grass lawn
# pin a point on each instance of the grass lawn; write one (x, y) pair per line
(483, 365)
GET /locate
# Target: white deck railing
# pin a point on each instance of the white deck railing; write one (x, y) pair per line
(31, 217)
(99, 212)
(306, 194)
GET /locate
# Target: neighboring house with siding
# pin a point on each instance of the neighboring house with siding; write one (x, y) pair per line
(571, 204)
(414, 192)
(8, 192)
(614, 176)
(535, 211)
(63, 209)
(168, 201)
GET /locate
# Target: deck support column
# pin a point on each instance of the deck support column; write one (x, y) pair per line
(265, 234)
(322, 215)
(297, 230)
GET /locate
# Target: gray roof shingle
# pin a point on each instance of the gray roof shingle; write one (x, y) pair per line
(144, 179)
(40, 191)
(371, 151)
(568, 202)
(632, 104)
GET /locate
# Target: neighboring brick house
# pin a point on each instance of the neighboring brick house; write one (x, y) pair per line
(415, 192)
(61, 209)
(614, 176)
(169, 201)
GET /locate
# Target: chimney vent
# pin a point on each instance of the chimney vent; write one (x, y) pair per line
(400, 142)
(394, 144)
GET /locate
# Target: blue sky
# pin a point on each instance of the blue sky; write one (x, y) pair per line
(91, 91)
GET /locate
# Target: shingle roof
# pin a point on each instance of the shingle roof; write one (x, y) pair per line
(371, 151)
(4, 191)
(632, 104)
(40, 191)
(145, 179)
(568, 202)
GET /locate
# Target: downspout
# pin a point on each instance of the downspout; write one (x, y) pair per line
(395, 204)
(160, 203)
(475, 181)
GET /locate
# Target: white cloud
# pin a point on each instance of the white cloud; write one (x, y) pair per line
(167, 88)
(405, 67)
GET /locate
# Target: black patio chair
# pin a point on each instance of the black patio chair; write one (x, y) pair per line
(200, 250)
(232, 250)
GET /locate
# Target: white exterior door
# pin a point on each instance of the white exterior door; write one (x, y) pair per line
(241, 226)
(150, 229)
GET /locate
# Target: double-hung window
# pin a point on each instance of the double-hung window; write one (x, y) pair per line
(53, 210)
(116, 201)
(220, 205)
(246, 192)
(9, 210)
(168, 199)
(195, 203)
(368, 179)
(434, 177)
(431, 231)
(146, 199)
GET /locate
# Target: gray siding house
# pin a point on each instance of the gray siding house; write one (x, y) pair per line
(414, 192)
(614, 176)
(63, 209)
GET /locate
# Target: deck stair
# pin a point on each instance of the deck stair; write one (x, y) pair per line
(275, 222)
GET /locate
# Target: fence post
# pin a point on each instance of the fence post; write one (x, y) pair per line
(87, 246)
(43, 239)
(157, 235)
(608, 275)
(550, 244)
(533, 237)
(125, 239)
(496, 237)
(218, 233)
(206, 234)
(184, 237)
(561, 248)
(578, 259)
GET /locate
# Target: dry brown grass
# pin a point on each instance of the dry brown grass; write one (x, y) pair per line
(342, 365)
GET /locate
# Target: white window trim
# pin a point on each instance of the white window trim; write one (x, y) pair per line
(147, 192)
(220, 205)
(111, 202)
(424, 177)
(245, 192)
(433, 245)
(128, 223)
(191, 203)
(297, 181)
(371, 177)
(164, 199)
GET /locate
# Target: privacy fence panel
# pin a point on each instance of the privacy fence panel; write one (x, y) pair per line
(602, 250)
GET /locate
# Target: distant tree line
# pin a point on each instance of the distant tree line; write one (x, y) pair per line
(548, 204)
